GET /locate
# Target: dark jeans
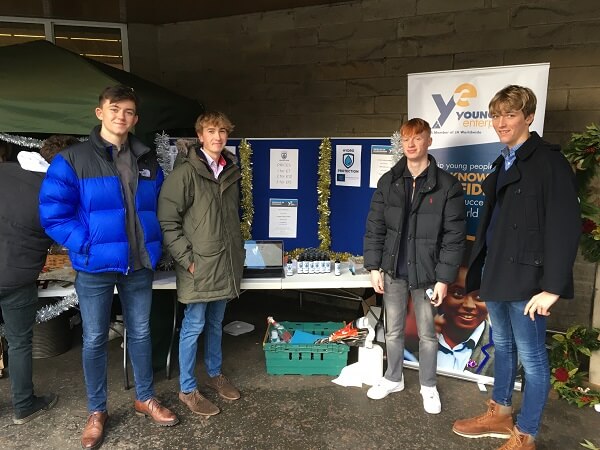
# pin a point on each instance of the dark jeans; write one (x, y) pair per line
(95, 292)
(19, 308)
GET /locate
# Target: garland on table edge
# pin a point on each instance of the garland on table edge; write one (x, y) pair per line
(56, 309)
(583, 152)
(246, 188)
(565, 351)
(48, 312)
(323, 194)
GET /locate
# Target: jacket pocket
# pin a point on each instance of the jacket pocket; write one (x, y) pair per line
(531, 259)
(210, 265)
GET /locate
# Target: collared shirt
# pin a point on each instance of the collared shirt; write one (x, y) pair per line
(510, 154)
(457, 358)
(216, 167)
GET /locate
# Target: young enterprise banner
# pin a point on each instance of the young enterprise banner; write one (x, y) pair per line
(455, 103)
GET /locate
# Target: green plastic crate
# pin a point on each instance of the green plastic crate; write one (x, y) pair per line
(306, 359)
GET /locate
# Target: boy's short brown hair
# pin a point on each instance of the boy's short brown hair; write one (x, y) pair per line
(119, 93)
(415, 126)
(514, 98)
(215, 118)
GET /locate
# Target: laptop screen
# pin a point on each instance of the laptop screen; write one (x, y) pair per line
(263, 254)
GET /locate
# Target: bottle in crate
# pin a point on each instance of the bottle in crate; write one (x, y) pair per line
(284, 334)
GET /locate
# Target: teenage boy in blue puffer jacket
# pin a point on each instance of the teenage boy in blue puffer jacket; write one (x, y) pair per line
(99, 200)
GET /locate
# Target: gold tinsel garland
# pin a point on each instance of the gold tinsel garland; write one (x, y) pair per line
(323, 194)
(246, 187)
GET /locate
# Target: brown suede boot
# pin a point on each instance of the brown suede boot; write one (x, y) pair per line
(496, 422)
(519, 441)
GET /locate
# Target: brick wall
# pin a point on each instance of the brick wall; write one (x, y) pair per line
(340, 70)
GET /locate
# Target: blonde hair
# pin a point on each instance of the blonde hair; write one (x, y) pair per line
(514, 98)
(215, 118)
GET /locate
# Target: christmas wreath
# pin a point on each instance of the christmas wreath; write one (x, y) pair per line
(565, 353)
(583, 152)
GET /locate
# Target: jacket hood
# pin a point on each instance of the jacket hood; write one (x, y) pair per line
(185, 146)
(32, 161)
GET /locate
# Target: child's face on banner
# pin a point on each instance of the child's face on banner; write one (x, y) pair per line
(462, 310)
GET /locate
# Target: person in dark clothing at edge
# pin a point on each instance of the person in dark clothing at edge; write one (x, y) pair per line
(99, 199)
(415, 239)
(522, 263)
(23, 250)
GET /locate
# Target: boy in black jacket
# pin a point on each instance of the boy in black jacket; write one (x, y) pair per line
(522, 262)
(415, 238)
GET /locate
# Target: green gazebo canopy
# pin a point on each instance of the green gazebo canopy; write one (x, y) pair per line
(47, 89)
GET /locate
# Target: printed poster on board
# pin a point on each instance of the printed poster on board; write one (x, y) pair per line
(347, 165)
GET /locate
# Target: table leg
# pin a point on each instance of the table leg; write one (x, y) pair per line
(125, 373)
(173, 331)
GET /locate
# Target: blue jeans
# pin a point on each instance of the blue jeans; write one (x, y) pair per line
(198, 317)
(395, 302)
(19, 307)
(516, 336)
(95, 292)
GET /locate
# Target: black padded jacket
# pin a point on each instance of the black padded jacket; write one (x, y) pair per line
(23, 243)
(436, 227)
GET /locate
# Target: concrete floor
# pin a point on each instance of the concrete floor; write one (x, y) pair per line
(275, 412)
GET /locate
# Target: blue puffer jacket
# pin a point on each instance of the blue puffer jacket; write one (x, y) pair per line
(82, 206)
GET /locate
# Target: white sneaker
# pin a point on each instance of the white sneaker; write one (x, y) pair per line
(431, 400)
(383, 387)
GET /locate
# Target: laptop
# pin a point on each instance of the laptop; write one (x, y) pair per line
(264, 259)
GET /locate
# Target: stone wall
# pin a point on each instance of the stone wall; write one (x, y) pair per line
(340, 70)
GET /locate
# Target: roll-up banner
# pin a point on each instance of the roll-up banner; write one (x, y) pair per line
(455, 103)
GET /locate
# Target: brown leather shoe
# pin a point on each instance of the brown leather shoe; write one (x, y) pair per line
(93, 433)
(158, 413)
(223, 386)
(199, 404)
